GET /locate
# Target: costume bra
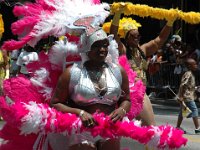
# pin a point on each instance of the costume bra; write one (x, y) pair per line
(140, 66)
(83, 92)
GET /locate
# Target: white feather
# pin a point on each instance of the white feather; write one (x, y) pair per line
(154, 142)
(39, 79)
(33, 121)
(113, 54)
(61, 21)
(60, 51)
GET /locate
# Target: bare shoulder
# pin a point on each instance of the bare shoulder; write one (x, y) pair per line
(65, 76)
(122, 49)
(123, 72)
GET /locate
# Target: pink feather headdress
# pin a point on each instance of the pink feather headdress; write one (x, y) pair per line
(53, 17)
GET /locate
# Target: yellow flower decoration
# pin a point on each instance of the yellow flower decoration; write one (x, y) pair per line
(157, 13)
(1, 26)
(125, 24)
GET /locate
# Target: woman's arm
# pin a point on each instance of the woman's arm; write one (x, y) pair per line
(124, 102)
(61, 95)
(114, 30)
(152, 46)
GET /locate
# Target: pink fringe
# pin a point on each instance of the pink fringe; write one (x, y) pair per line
(29, 9)
(136, 97)
(96, 1)
(15, 141)
(31, 13)
(19, 26)
(20, 89)
(105, 127)
(12, 44)
(54, 73)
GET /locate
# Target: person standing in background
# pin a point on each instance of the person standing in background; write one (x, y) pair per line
(13, 62)
(137, 55)
(186, 95)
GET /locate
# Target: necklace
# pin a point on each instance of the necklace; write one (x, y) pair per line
(98, 78)
(95, 75)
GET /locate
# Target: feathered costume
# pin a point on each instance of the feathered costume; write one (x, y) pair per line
(30, 122)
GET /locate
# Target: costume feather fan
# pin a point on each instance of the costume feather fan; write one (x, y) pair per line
(53, 17)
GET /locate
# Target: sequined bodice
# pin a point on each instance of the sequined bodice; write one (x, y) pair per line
(139, 65)
(83, 92)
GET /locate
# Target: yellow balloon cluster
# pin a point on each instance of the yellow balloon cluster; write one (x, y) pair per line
(157, 13)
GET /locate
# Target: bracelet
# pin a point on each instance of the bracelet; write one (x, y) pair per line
(81, 113)
(123, 110)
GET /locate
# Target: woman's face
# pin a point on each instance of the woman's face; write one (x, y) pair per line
(99, 50)
(133, 38)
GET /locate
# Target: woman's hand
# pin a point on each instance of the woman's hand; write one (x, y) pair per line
(117, 114)
(87, 119)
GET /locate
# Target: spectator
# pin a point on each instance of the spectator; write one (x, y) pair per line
(186, 95)
(13, 62)
(168, 53)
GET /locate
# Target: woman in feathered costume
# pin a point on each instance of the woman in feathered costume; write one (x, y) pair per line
(83, 111)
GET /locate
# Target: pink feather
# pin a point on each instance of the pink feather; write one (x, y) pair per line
(105, 127)
(28, 9)
(15, 141)
(96, 1)
(135, 97)
(12, 44)
(15, 88)
(19, 26)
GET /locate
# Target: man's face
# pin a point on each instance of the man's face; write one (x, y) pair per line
(193, 65)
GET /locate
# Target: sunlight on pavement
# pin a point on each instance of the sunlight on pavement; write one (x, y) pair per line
(193, 138)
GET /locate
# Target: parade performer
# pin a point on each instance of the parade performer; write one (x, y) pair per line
(137, 53)
(88, 113)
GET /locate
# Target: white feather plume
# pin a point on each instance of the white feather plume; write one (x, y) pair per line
(60, 51)
(60, 21)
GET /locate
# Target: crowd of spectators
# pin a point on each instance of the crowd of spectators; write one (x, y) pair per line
(167, 66)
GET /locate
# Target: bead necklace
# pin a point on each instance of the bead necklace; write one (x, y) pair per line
(98, 78)
(95, 75)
